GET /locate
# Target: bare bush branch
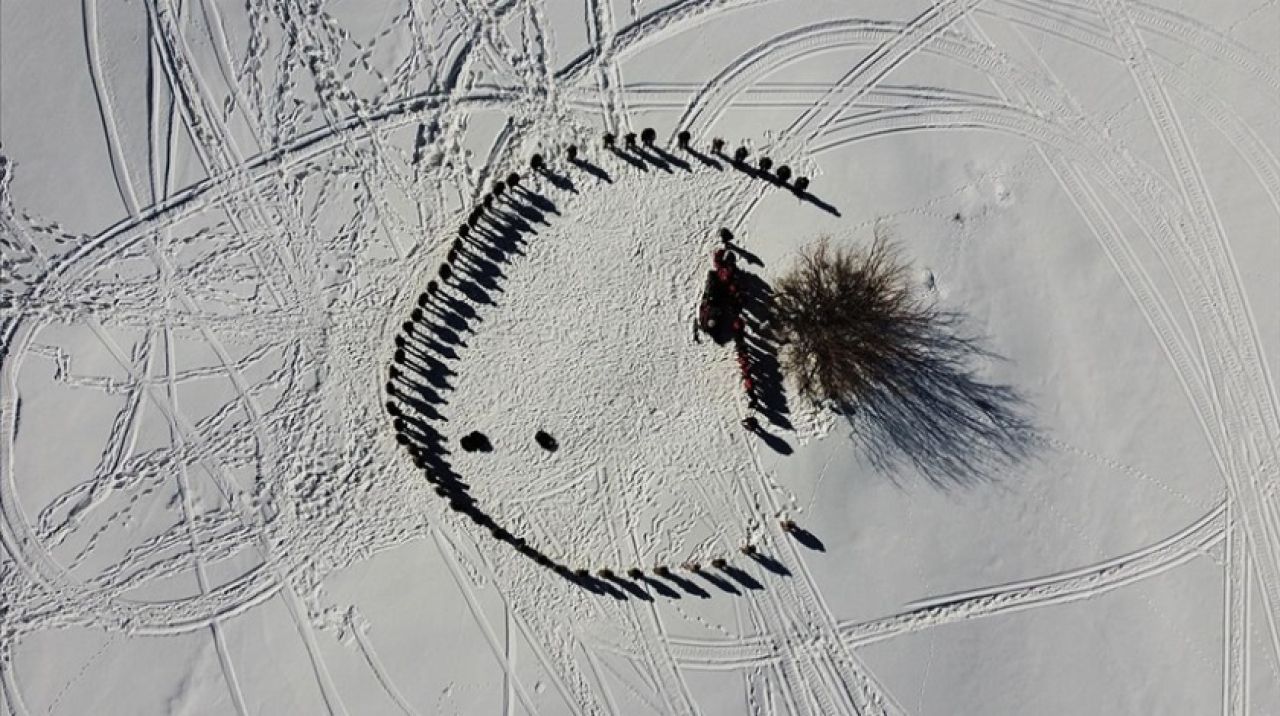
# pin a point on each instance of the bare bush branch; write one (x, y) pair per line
(857, 336)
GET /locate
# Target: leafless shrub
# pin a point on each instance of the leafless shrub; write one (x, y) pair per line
(858, 337)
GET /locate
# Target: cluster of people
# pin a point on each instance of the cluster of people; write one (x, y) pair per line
(720, 314)
(429, 341)
(764, 167)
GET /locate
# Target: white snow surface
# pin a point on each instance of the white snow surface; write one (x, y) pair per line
(216, 216)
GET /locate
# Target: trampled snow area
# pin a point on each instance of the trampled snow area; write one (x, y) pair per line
(217, 219)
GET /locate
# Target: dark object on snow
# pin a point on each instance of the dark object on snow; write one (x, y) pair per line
(801, 184)
(605, 573)
(445, 271)
(683, 138)
(487, 201)
(475, 441)
(725, 235)
(609, 139)
(464, 230)
(719, 563)
(747, 549)
(717, 145)
(393, 409)
(750, 423)
(498, 188)
(724, 258)
(647, 135)
(545, 440)
(635, 573)
(788, 525)
(630, 139)
(662, 571)
(535, 162)
(783, 173)
(513, 179)
(718, 310)
(432, 287)
(765, 164)
(740, 154)
(571, 152)
(859, 336)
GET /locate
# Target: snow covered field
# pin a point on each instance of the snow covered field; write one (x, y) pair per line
(216, 217)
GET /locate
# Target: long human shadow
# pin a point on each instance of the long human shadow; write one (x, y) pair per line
(592, 169)
(687, 585)
(706, 159)
(446, 313)
(667, 157)
(930, 409)
(808, 539)
(432, 338)
(760, 342)
(419, 382)
(804, 195)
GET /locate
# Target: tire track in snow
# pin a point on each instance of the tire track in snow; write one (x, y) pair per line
(303, 628)
(1195, 540)
(1250, 148)
(1209, 43)
(601, 34)
(449, 554)
(1217, 115)
(1236, 620)
(795, 607)
(672, 688)
(1255, 490)
(358, 624)
(14, 523)
(665, 22)
(215, 147)
(1085, 583)
(243, 393)
(78, 598)
(1198, 390)
(9, 683)
(188, 508)
(1203, 412)
(222, 54)
(119, 168)
(886, 58)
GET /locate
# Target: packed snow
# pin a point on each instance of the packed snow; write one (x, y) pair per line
(218, 225)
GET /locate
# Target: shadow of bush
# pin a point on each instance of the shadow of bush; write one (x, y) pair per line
(898, 368)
